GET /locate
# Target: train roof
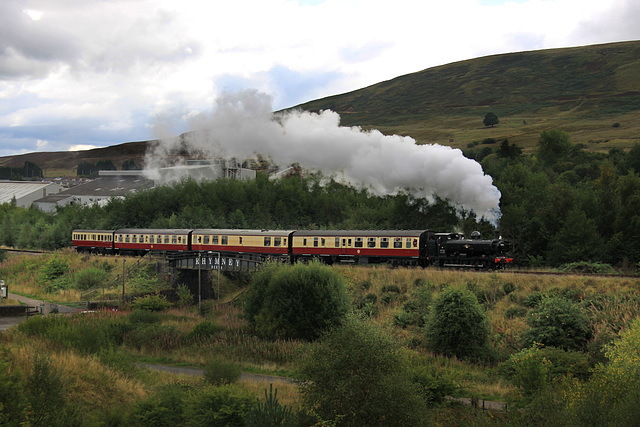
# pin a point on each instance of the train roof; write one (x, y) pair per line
(153, 231)
(361, 233)
(242, 232)
(82, 230)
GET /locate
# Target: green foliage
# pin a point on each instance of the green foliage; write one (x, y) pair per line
(153, 337)
(587, 268)
(416, 309)
(490, 119)
(219, 372)
(144, 317)
(434, 384)
(217, 406)
(164, 408)
(54, 268)
(356, 376)
(610, 397)
(558, 322)
(185, 297)
(270, 413)
(46, 395)
(457, 325)
(204, 330)
(151, 303)
(89, 278)
(13, 406)
(299, 301)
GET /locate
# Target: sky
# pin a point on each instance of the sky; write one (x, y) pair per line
(94, 73)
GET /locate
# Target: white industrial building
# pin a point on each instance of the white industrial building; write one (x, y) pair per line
(26, 192)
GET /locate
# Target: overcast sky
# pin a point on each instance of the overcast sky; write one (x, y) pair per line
(79, 74)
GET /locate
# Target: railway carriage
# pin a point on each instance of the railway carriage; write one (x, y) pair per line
(398, 247)
(261, 242)
(97, 241)
(136, 240)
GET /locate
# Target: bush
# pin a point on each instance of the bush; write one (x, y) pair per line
(271, 412)
(434, 384)
(218, 406)
(356, 376)
(151, 303)
(416, 310)
(218, 372)
(185, 297)
(90, 278)
(54, 268)
(558, 322)
(162, 409)
(512, 312)
(457, 325)
(144, 317)
(299, 301)
(203, 330)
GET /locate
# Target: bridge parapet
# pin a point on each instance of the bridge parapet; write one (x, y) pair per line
(214, 261)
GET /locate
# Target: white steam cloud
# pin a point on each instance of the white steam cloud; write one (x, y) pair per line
(242, 125)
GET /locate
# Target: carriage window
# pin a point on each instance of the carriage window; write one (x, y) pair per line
(206, 240)
(240, 240)
(315, 242)
(277, 241)
(371, 243)
(408, 244)
(199, 239)
(397, 242)
(304, 242)
(384, 242)
(358, 242)
(267, 241)
(214, 240)
(284, 241)
(127, 239)
(174, 240)
(323, 242)
(225, 240)
(179, 239)
(166, 239)
(337, 242)
(151, 239)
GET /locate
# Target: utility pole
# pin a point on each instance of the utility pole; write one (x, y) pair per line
(124, 260)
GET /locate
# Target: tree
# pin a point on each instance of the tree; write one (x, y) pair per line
(356, 376)
(490, 119)
(457, 325)
(553, 145)
(299, 301)
(558, 322)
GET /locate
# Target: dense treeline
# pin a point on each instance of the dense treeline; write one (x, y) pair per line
(564, 204)
(29, 171)
(561, 204)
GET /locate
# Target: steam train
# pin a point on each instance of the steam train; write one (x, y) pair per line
(394, 247)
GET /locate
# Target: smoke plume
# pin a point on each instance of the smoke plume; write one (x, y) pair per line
(242, 125)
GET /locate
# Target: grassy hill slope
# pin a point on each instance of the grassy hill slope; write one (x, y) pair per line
(582, 90)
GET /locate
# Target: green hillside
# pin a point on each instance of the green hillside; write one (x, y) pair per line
(582, 90)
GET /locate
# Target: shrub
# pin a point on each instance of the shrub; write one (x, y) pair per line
(528, 369)
(185, 297)
(457, 325)
(435, 385)
(356, 374)
(13, 407)
(164, 408)
(512, 312)
(54, 268)
(416, 309)
(151, 303)
(147, 317)
(218, 406)
(271, 412)
(299, 301)
(90, 278)
(218, 372)
(203, 330)
(558, 322)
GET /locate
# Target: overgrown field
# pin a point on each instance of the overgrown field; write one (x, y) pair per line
(89, 360)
